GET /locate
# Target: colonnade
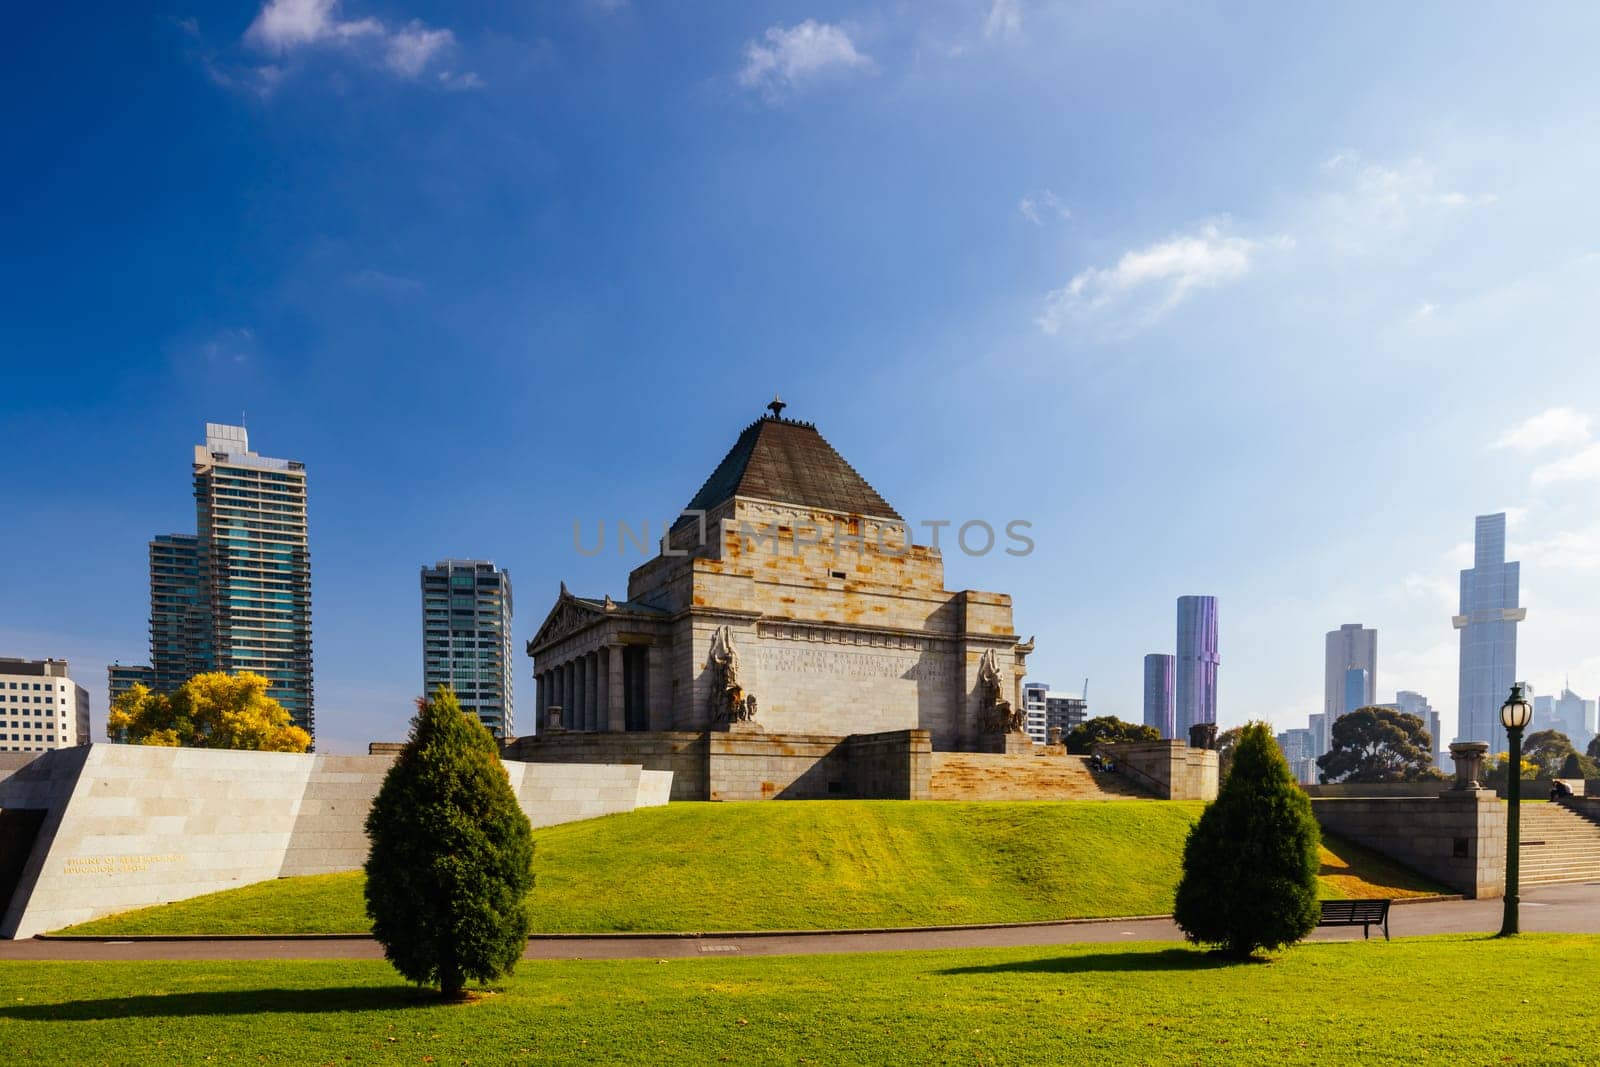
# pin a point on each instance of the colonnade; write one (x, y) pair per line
(589, 689)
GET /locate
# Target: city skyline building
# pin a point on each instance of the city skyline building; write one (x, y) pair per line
(1033, 709)
(1299, 750)
(254, 561)
(466, 639)
(1195, 666)
(1488, 617)
(1357, 690)
(236, 594)
(1158, 688)
(1414, 703)
(1350, 647)
(180, 618)
(41, 707)
(1569, 713)
(1317, 723)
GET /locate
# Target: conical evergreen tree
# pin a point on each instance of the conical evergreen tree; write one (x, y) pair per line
(1250, 864)
(452, 854)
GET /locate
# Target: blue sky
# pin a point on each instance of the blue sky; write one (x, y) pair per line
(1223, 299)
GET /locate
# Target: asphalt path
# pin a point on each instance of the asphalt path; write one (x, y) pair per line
(1554, 909)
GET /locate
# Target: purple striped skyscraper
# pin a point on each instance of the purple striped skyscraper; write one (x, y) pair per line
(1195, 691)
(1158, 692)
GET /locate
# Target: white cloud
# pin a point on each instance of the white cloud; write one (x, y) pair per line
(1432, 587)
(1554, 426)
(1005, 19)
(1374, 199)
(1147, 283)
(1581, 466)
(797, 54)
(1577, 550)
(285, 24)
(409, 49)
(1038, 207)
(282, 27)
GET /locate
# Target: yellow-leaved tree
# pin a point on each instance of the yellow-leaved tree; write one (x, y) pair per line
(212, 710)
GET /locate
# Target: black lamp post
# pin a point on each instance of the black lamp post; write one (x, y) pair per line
(1515, 714)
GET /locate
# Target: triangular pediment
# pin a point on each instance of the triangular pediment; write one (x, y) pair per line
(570, 615)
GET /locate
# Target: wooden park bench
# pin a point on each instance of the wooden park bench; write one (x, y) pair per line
(1362, 913)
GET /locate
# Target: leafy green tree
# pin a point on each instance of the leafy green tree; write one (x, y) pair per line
(1547, 750)
(1250, 864)
(1378, 745)
(1499, 767)
(451, 864)
(1593, 751)
(1227, 741)
(211, 710)
(1107, 729)
(1579, 766)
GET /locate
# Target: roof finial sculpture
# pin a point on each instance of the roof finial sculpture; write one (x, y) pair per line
(777, 406)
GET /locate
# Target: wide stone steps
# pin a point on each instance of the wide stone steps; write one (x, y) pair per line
(1023, 776)
(1559, 847)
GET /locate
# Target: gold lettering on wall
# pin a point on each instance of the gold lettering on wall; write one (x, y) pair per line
(116, 864)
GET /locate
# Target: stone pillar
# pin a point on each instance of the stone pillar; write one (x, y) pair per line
(616, 697)
(1468, 757)
(591, 687)
(658, 688)
(538, 700)
(569, 704)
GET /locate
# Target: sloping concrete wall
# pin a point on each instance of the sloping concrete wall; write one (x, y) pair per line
(129, 826)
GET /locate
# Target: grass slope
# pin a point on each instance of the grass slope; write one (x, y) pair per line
(805, 865)
(1434, 1000)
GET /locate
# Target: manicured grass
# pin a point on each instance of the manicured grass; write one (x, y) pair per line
(1422, 1000)
(805, 865)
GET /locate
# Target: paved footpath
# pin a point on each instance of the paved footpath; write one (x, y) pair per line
(1556, 909)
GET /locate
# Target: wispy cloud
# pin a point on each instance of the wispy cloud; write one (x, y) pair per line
(789, 57)
(283, 28)
(1042, 206)
(1553, 426)
(1005, 19)
(1581, 466)
(1147, 283)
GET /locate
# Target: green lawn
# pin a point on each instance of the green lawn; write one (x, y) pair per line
(806, 865)
(1423, 1000)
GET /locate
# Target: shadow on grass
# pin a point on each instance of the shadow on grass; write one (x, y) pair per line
(229, 1002)
(1169, 959)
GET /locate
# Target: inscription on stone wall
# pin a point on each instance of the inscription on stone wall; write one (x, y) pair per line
(927, 667)
(116, 864)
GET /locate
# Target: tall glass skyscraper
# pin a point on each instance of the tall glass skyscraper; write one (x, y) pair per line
(1158, 693)
(1195, 688)
(256, 561)
(236, 594)
(466, 638)
(1488, 624)
(180, 615)
(1350, 647)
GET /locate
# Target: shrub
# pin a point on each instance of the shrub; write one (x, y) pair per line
(1250, 864)
(452, 854)
(1107, 729)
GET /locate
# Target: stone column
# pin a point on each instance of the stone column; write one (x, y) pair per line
(538, 701)
(591, 686)
(568, 704)
(615, 705)
(658, 688)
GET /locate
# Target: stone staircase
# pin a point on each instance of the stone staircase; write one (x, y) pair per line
(1024, 776)
(1558, 846)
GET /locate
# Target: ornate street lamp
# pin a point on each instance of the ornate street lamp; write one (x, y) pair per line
(1515, 714)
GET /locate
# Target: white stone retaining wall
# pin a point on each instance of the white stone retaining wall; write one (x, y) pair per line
(130, 825)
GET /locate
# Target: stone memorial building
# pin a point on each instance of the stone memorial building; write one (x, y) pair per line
(788, 616)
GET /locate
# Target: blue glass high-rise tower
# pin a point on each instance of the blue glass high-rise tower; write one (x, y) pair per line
(1195, 691)
(1158, 693)
(1488, 624)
